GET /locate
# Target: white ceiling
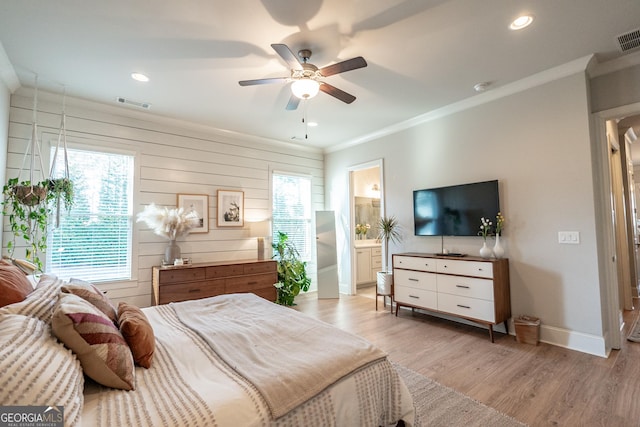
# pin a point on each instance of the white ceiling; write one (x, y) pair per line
(422, 54)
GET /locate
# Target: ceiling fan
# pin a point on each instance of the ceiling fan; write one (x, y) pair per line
(306, 78)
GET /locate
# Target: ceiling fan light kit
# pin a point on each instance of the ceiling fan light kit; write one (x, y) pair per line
(305, 88)
(306, 77)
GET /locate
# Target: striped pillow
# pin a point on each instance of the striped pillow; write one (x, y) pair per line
(93, 337)
(35, 369)
(89, 292)
(40, 302)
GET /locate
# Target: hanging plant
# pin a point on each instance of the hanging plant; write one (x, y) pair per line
(27, 215)
(25, 203)
(61, 189)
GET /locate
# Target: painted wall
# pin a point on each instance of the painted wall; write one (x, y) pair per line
(173, 157)
(536, 143)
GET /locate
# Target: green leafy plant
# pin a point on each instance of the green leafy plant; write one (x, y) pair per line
(61, 189)
(388, 231)
(292, 271)
(25, 205)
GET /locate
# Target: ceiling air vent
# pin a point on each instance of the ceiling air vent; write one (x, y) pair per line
(144, 105)
(629, 41)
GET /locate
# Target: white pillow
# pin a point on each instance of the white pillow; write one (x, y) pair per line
(36, 369)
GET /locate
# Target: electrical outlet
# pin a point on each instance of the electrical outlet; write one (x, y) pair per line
(569, 237)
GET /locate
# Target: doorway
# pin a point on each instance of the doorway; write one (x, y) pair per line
(617, 218)
(366, 201)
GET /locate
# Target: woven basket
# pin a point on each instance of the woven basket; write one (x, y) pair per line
(527, 329)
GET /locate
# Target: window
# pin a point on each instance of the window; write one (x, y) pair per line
(93, 240)
(292, 210)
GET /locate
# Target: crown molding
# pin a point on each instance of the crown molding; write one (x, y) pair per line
(538, 79)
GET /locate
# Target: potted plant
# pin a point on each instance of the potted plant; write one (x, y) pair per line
(388, 231)
(25, 205)
(292, 271)
(170, 224)
(60, 190)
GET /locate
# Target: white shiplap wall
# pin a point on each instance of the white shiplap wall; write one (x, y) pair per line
(172, 157)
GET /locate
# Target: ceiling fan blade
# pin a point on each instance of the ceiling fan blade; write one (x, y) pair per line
(337, 93)
(288, 56)
(293, 102)
(341, 67)
(263, 81)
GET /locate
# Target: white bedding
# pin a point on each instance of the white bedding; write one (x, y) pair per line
(188, 384)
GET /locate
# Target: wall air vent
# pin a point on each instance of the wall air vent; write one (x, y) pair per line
(629, 40)
(144, 105)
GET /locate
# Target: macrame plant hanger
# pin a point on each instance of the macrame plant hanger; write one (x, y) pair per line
(57, 183)
(34, 192)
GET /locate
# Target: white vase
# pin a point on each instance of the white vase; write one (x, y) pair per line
(485, 251)
(498, 250)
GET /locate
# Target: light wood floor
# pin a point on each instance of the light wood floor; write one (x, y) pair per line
(540, 385)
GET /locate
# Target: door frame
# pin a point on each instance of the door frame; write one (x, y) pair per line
(605, 231)
(352, 212)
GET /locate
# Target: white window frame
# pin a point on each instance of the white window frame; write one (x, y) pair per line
(310, 257)
(110, 147)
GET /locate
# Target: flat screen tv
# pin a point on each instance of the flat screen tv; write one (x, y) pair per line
(455, 210)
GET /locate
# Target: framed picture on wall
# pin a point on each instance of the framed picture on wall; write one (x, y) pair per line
(230, 208)
(198, 203)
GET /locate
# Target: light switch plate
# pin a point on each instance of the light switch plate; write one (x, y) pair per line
(569, 237)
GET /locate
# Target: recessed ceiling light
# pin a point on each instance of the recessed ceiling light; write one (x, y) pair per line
(521, 22)
(481, 87)
(312, 124)
(139, 77)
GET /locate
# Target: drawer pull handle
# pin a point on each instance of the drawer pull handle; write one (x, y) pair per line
(412, 279)
(414, 296)
(252, 283)
(462, 286)
(194, 290)
(463, 306)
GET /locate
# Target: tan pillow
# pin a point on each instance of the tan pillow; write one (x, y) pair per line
(103, 352)
(14, 285)
(89, 292)
(138, 333)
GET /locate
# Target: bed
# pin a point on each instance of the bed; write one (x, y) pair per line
(231, 360)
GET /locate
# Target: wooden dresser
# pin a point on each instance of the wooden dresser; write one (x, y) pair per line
(472, 288)
(186, 282)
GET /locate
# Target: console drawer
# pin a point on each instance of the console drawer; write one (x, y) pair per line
(466, 286)
(414, 263)
(416, 297)
(191, 290)
(465, 268)
(415, 279)
(467, 307)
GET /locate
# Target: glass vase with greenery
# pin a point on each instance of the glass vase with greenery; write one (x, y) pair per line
(292, 271)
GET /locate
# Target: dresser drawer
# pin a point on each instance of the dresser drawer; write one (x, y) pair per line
(261, 267)
(250, 283)
(414, 263)
(191, 290)
(467, 307)
(466, 286)
(465, 268)
(376, 251)
(224, 271)
(418, 297)
(180, 275)
(415, 279)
